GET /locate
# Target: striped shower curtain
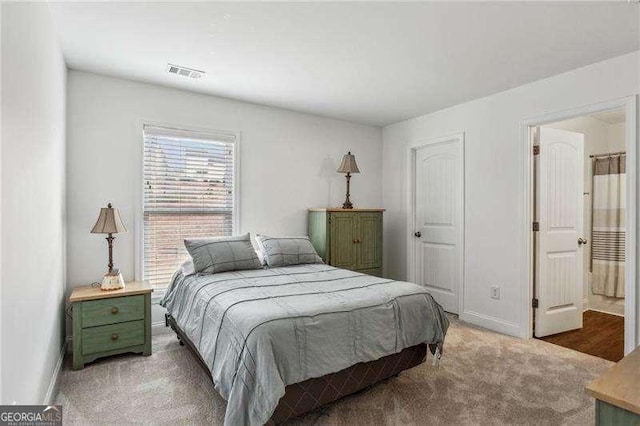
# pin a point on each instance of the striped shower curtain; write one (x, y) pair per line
(608, 226)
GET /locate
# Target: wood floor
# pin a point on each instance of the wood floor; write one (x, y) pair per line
(602, 335)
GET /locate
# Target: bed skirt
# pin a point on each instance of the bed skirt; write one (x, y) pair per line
(311, 394)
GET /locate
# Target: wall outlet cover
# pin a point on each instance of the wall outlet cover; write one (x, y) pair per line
(495, 292)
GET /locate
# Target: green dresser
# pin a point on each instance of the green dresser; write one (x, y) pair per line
(349, 239)
(110, 322)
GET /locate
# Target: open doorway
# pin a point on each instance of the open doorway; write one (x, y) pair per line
(580, 224)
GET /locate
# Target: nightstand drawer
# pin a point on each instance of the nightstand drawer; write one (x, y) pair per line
(112, 311)
(113, 336)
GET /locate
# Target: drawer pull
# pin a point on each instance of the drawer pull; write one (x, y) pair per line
(114, 310)
(357, 240)
(114, 336)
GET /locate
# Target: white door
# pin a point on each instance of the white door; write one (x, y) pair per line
(560, 213)
(437, 222)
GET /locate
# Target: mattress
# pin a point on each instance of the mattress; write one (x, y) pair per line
(261, 330)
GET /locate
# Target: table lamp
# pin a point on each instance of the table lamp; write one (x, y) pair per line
(109, 222)
(348, 166)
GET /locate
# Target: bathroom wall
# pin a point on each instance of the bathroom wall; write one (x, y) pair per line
(616, 136)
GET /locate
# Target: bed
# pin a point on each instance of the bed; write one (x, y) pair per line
(279, 342)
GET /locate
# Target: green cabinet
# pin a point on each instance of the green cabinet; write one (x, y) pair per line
(349, 239)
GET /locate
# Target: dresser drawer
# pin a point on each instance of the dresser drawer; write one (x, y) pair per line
(113, 336)
(112, 311)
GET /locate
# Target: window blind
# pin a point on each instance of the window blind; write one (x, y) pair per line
(188, 192)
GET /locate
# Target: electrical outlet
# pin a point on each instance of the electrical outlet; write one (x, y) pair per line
(495, 292)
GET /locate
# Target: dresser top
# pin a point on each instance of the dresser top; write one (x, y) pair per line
(329, 209)
(88, 292)
(620, 385)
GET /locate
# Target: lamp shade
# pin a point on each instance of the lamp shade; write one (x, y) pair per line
(348, 164)
(108, 222)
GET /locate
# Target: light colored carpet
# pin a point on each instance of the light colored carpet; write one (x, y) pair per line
(483, 378)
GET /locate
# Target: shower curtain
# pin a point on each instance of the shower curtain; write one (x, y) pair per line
(608, 226)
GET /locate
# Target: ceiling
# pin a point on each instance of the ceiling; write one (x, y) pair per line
(374, 63)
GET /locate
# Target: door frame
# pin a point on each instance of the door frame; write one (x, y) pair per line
(411, 206)
(631, 317)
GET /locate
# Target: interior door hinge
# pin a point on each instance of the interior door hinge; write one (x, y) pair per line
(536, 149)
(535, 226)
(534, 303)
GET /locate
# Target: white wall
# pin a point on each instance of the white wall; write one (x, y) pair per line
(33, 205)
(599, 137)
(616, 136)
(494, 220)
(288, 162)
(1, 344)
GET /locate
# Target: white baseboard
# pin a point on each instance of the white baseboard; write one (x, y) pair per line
(585, 304)
(491, 323)
(53, 384)
(160, 328)
(607, 312)
(158, 324)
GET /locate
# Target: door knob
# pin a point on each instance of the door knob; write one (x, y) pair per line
(582, 241)
(417, 234)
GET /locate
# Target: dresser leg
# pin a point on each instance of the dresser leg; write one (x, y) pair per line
(78, 364)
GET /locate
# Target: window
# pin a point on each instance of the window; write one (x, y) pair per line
(188, 192)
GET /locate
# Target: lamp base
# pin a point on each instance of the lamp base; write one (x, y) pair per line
(347, 202)
(112, 281)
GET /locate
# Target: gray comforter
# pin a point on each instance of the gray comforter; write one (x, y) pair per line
(260, 330)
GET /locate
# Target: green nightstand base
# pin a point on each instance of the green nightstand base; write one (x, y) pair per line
(106, 324)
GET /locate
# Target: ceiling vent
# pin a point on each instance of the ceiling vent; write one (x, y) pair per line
(184, 71)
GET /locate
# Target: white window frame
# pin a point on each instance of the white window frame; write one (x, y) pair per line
(139, 201)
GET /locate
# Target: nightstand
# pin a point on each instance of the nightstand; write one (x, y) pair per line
(110, 322)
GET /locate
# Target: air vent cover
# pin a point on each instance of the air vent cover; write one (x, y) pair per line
(184, 71)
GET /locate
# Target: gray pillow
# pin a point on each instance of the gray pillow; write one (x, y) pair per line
(287, 251)
(221, 254)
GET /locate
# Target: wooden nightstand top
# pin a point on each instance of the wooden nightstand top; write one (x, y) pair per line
(88, 292)
(619, 385)
(337, 209)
